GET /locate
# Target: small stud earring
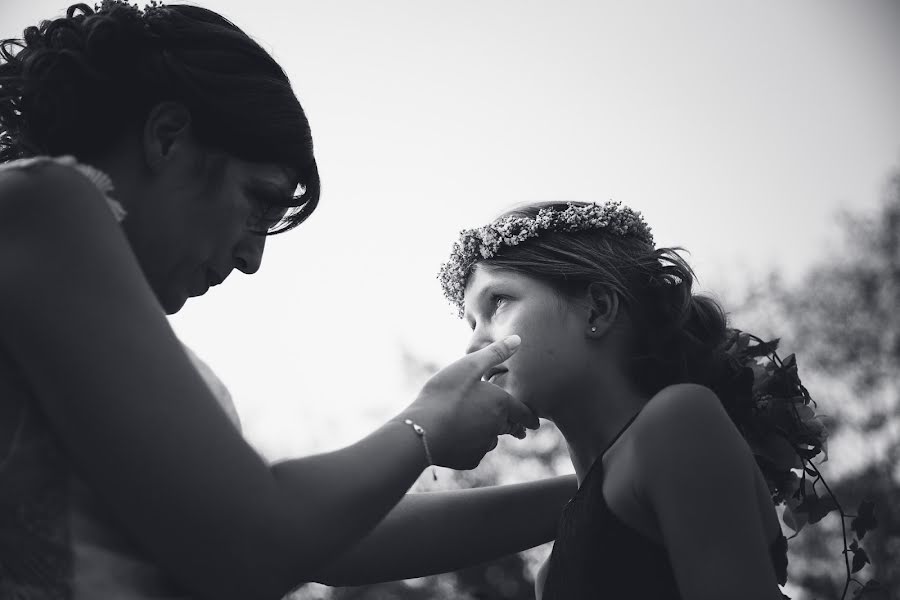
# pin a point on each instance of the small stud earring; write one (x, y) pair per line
(594, 329)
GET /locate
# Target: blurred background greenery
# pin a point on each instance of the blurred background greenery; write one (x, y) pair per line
(842, 319)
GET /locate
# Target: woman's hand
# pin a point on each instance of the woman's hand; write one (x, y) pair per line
(463, 415)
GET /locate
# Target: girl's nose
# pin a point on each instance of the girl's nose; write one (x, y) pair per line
(480, 338)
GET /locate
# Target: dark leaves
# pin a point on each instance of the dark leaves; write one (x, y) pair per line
(820, 508)
(785, 380)
(860, 557)
(865, 519)
(797, 505)
(764, 348)
(785, 434)
(737, 395)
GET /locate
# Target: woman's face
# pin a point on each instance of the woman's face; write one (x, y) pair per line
(553, 361)
(193, 225)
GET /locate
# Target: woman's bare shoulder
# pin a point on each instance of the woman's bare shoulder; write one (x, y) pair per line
(41, 172)
(37, 195)
(52, 216)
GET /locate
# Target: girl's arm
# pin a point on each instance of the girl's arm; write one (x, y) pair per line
(437, 532)
(84, 329)
(698, 474)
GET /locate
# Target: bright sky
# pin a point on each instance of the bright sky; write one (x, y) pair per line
(737, 128)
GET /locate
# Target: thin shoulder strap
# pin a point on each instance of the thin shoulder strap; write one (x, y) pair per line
(621, 431)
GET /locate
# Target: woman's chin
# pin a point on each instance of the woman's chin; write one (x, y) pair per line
(172, 303)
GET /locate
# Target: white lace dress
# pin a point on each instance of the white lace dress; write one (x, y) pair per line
(56, 542)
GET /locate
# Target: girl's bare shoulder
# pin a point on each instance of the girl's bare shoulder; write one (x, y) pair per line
(684, 421)
(681, 409)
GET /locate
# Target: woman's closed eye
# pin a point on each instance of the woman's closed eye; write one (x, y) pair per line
(265, 217)
(268, 208)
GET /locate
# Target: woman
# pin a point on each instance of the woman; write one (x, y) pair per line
(120, 474)
(628, 362)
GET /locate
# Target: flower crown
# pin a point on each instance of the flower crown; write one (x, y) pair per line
(484, 242)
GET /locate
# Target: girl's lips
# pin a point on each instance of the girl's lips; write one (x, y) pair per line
(496, 377)
(494, 371)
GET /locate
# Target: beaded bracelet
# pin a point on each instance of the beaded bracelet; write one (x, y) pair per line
(420, 431)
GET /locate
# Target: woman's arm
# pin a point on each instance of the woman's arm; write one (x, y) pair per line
(86, 332)
(437, 532)
(698, 474)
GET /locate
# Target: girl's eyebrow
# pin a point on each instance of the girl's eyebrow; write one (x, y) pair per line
(480, 295)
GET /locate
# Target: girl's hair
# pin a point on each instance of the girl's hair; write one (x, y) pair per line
(677, 335)
(682, 337)
(77, 84)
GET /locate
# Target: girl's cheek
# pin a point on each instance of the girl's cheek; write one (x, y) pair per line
(502, 325)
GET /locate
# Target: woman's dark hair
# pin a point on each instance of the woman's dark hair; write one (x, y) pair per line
(678, 335)
(75, 85)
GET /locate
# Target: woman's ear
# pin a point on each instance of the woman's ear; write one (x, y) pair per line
(602, 310)
(167, 130)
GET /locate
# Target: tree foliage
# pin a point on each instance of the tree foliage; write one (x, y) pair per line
(843, 319)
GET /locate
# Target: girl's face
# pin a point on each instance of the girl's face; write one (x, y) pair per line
(553, 361)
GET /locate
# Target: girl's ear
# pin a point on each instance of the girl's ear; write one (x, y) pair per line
(603, 310)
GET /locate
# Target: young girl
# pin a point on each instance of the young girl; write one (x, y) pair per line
(121, 476)
(620, 354)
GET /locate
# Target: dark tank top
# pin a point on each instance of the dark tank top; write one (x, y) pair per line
(596, 555)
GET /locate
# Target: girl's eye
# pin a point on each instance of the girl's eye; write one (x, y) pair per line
(495, 301)
(498, 300)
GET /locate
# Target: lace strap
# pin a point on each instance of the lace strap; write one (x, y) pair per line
(97, 177)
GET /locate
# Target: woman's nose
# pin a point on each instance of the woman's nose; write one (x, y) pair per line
(249, 252)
